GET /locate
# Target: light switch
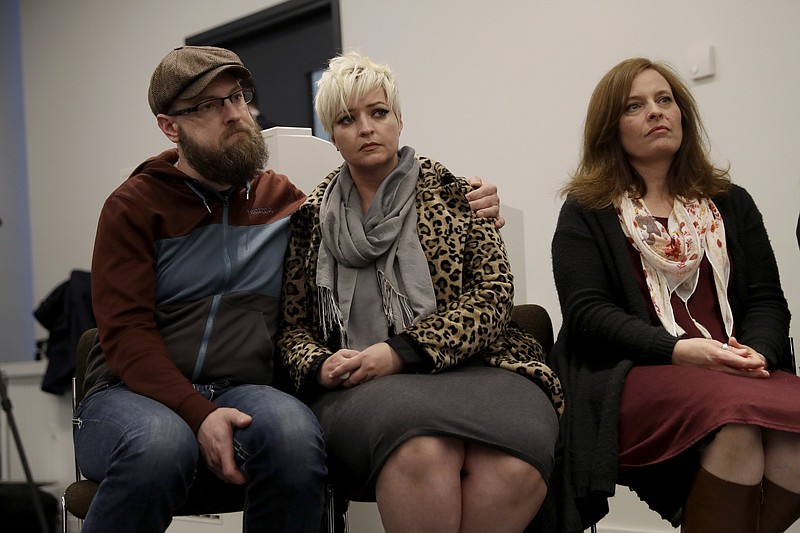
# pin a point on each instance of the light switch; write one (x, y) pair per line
(701, 61)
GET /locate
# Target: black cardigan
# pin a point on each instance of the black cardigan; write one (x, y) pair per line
(606, 330)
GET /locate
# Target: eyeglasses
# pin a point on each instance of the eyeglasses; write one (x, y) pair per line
(215, 105)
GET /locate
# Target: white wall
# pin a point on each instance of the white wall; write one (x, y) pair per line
(501, 88)
(497, 89)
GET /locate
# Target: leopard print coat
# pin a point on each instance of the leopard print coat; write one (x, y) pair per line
(471, 278)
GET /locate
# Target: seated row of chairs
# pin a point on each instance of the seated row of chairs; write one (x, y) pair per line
(533, 318)
(78, 496)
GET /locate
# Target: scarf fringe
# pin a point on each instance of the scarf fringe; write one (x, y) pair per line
(392, 300)
(330, 314)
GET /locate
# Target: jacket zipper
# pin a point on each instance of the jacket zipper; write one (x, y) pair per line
(216, 300)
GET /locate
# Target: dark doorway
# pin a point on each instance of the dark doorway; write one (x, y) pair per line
(283, 46)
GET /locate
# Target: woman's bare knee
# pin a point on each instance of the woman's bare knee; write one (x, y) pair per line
(422, 457)
(782, 459)
(736, 454)
(500, 491)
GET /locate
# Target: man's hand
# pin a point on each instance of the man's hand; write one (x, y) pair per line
(215, 438)
(485, 201)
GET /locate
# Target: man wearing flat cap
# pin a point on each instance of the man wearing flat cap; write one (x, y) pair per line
(186, 283)
(186, 279)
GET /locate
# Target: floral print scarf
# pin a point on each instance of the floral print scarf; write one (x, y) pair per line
(671, 256)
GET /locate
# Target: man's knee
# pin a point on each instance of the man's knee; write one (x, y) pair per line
(157, 452)
(292, 449)
(288, 427)
(164, 446)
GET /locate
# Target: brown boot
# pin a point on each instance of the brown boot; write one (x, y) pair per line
(779, 508)
(718, 506)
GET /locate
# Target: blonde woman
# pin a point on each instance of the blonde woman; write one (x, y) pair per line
(397, 303)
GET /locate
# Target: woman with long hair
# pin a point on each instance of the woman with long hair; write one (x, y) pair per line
(674, 345)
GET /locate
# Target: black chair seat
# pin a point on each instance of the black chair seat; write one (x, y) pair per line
(79, 495)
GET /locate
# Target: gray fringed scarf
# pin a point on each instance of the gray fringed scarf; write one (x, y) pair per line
(372, 274)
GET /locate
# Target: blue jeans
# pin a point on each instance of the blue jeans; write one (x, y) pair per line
(146, 459)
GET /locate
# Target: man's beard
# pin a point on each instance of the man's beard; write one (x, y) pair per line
(227, 165)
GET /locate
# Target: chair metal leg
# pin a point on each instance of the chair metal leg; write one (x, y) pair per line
(63, 515)
(332, 510)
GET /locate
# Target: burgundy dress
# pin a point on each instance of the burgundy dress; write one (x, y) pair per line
(669, 412)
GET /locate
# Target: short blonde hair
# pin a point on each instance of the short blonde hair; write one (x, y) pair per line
(348, 78)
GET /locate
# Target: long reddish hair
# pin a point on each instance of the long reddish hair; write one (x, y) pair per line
(605, 173)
